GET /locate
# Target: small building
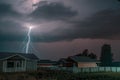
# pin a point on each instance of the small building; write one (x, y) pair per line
(78, 61)
(17, 62)
(83, 61)
(46, 63)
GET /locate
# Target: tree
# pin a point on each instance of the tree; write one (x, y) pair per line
(78, 54)
(106, 55)
(92, 56)
(85, 52)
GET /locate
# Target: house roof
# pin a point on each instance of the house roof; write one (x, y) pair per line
(46, 62)
(82, 59)
(4, 55)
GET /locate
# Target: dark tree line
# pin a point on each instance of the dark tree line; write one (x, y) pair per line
(87, 54)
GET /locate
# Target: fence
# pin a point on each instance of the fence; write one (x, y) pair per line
(97, 69)
(90, 69)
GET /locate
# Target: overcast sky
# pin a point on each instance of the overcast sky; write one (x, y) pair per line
(61, 28)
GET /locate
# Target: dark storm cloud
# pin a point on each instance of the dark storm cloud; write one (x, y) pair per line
(53, 11)
(102, 25)
(9, 28)
(11, 31)
(6, 10)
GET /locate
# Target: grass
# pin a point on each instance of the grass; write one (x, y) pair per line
(46, 74)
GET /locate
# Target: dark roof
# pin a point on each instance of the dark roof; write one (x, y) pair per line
(4, 55)
(46, 62)
(82, 59)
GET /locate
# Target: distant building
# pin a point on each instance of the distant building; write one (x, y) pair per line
(63, 62)
(46, 63)
(79, 61)
(17, 62)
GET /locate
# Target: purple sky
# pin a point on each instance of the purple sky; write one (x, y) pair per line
(62, 28)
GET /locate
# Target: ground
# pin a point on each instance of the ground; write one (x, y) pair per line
(46, 74)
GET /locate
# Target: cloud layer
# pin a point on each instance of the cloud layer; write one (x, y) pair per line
(53, 11)
(57, 21)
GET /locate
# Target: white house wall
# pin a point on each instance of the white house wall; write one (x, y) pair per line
(31, 65)
(1, 66)
(87, 64)
(15, 68)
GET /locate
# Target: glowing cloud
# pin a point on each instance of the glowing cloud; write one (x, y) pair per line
(35, 1)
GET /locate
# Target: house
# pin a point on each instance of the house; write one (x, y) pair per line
(46, 63)
(17, 62)
(83, 61)
(79, 61)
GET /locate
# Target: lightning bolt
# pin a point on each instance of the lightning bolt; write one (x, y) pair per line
(30, 29)
(29, 39)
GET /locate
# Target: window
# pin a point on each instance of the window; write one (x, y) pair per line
(10, 64)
